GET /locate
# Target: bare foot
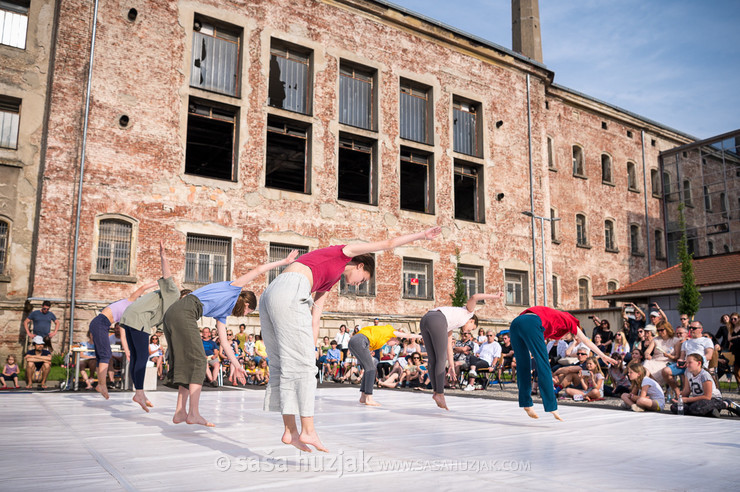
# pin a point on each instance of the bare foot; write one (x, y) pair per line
(294, 440)
(143, 402)
(313, 440)
(439, 399)
(199, 421)
(100, 388)
(179, 417)
(530, 411)
(556, 415)
(369, 401)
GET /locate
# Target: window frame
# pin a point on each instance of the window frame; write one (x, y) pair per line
(10, 106)
(576, 161)
(610, 166)
(223, 109)
(610, 243)
(412, 156)
(293, 129)
(406, 271)
(225, 33)
(415, 89)
(523, 283)
(358, 72)
(635, 240)
(226, 241)
(280, 252)
(475, 172)
(5, 236)
(130, 276)
(353, 143)
(474, 108)
(584, 298)
(295, 54)
(582, 242)
(365, 289)
(16, 9)
(474, 273)
(632, 177)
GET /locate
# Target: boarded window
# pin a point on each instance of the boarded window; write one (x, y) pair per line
(632, 176)
(417, 279)
(417, 179)
(578, 163)
(207, 259)
(280, 252)
(516, 284)
(114, 247)
(289, 79)
(472, 277)
(286, 165)
(609, 236)
(365, 289)
(10, 112)
(211, 141)
(215, 57)
(356, 97)
(414, 103)
(581, 233)
(357, 176)
(4, 232)
(465, 127)
(606, 168)
(583, 294)
(469, 197)
(14, 22)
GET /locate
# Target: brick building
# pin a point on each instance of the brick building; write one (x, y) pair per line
(236, 130)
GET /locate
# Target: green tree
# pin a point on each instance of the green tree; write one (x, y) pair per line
(689, 297)
(458, 298)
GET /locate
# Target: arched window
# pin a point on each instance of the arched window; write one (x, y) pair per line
(632, 176)
(668, 187)
(581, 232)
(606, 168)
(114, 247)
(609, 242)
(710, 247)
(579, 168)
(612, 285)
(584, 293)
(707, 200)
(655, 182)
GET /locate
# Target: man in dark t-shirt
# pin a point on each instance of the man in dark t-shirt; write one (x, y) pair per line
(214, 363)
(38, 363)
(42, 320)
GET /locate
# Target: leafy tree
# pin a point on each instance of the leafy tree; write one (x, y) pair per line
(459, 298)
(689, 297)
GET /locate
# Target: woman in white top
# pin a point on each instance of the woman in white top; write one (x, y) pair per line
(645, 394)
(621, 346)
(662, 353)
(155, 354)
(436, 328)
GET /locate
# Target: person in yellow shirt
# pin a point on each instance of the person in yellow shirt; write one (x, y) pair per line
(363, 344)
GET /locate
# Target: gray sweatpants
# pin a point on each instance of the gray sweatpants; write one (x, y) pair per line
(285, 319)
(434, 332)
(359, 345)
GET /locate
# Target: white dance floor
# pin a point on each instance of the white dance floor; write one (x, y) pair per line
(79, 441)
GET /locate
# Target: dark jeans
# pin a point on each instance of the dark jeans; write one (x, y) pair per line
(138, 345)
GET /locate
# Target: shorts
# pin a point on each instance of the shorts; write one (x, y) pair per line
(10, 376)
(675, 370)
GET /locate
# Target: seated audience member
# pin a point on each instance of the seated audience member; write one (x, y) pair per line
(88, 361)
(603, 327)
(565, 376)
(38, 363)
(214, 363)
(234, 344)
(249, 347)
(507, 357)
(662, 352)
(592, 382)
(350, 371)
(645, 393)
(155, 354)
(389, 355)
(637, 356)
(411, 374)
(251, 371)
(648, 344)
(694, 344)
(557, 349)
(700, 395)
(602, 346)
(118, 337)
(618, 375)
(260, 351)
(462, 350)
(10, 373)
(620, 345)
(333, 358)
(263, 372)
(639, 342)
(635, 320)
(486, 355)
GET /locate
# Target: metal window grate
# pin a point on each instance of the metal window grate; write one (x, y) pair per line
(417, 279)
(215, 59)
(14, 23)
(414, 113)
(365, 289)
(3, 245)
(465, 123)
(280, 252)
(207, 259)
(114, 247)
(355, 98)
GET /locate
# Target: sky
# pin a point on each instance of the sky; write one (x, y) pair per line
(676, 62)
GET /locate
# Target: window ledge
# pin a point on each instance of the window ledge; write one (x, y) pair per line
(657, 196)
(638, 254)
(553, 169)
(633, 190)
(579, 176)
(356, 130)
(476, 159)
(4, 161)
(555, 241)
(583, 246)
(105, 277)
(417, 299)
(4, 278)
(612, 250)
(609, 183)
(661, 257)
(426, 147)
(518, 305)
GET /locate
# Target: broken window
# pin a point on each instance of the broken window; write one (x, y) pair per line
(289, 78)
(606, 168)
(632, 176)
(114, 247)
(4, 228)
(578, 167)
(469, 197)
(211, 141)
(206, 259)
(465, 127)
(14, 22)
(414, 103)
(280, 252)
(215, 57)
(417, 279)
(357, 176)
(10, 112)
(356, 97)
(365, 289)
(516, 284)
(286, 166)
(417, 178)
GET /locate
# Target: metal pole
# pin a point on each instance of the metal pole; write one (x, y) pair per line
(645, 194)
(531, 195)
(544, 265)
(82, 174)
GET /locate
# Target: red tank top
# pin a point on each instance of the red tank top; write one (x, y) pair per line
(556, 323)
(327, 266)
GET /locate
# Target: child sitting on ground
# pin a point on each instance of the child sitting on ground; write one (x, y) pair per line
(263, 373)
(618, 374)
(10, 372)
(592, 382)
(645, 394)
(700, 395)
(251, 372)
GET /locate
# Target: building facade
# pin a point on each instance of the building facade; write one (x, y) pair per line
(236, 131)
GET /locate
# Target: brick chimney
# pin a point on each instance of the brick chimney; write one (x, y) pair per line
(525, 28)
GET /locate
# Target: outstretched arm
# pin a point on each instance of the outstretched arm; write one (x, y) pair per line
(256, 272)
(410, 336)
(364, 248)
(165, 265)
(236, 372)
(138, 292)
(470, 306)
(581, 337)
(316, 311)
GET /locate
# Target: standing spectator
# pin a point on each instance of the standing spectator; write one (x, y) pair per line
(342, 340)
(249, 346)
(42, 320)
(724, 330)
(655, 318)
(481, 336)
(635, 317)
(645, 393)
(603, 328)
(241, 337)
(10, 372)
(700, 395)
(734, 345)
(684, 320)
(214, 362)
(38, 363)
(487, 355)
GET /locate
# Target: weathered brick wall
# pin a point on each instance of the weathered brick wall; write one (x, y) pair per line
(142, 69)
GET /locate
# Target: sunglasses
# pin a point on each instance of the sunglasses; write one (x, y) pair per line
(694, 327)
(582, 354)
(662, 329)
(417, 358)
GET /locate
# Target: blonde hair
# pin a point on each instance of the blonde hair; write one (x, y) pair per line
(596, 363)
(636, 384)
(668, 328)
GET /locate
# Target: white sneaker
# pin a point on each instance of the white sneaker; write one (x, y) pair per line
(635, 408)
(469, 387)
(472, 373)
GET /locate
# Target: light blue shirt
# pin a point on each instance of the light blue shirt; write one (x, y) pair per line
(218, 299)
